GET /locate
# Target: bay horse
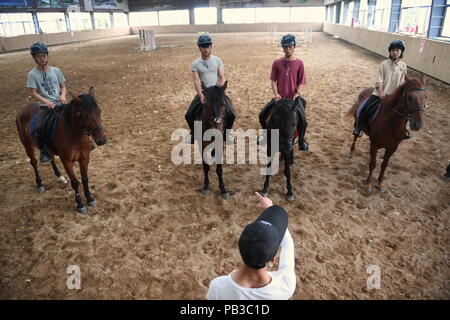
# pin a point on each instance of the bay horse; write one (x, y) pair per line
(284, 118)
(75, 122)
(213, 117)
(406, 103)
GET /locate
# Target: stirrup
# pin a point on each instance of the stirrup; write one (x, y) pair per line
(303, 145)
(357, 132)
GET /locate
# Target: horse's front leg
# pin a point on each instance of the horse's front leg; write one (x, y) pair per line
(57, 172)
(205, 190)
(265, 190)
(68, 165)
(384, 164)
(85, 180)
(224, 193)
(372, 165)
(287, 172)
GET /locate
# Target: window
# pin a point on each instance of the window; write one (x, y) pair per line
(241, 15)
(14, 24)
(382, 15)
(173, 17)
(102, 20)
(143, 18)
(205, 15)
(307, 14)
(415, 16)
(80, 21)
(51, 22)
(446, 27)
(272, 14)
(120, 19)
(363, 11)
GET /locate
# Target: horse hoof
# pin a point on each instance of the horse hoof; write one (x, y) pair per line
(41, 189)
(83, 210)
(206, 192)
(349, 156)
(92, 203)
(225, 196)
(382, 190)
(290, 198)
(264, 194)
(62, 179)
(368, 190)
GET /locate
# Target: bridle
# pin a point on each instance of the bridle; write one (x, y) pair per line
(85, 130)
(409, 113)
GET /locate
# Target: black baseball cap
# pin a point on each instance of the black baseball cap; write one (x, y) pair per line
(259, 241)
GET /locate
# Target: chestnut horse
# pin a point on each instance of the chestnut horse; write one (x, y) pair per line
(75, 123)
(406, 103)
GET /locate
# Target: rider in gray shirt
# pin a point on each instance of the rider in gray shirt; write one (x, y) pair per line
(47, 86)
(209, 70)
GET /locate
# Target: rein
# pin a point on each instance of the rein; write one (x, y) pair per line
(408, 113)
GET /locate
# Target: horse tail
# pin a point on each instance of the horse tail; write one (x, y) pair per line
(351, 112)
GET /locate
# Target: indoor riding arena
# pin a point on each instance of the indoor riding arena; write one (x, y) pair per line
(153, 234)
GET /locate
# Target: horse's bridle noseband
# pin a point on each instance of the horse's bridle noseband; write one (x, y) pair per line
(88, 131)
(408, 113)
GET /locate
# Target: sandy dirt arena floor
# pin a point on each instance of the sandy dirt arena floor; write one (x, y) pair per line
(153, 235)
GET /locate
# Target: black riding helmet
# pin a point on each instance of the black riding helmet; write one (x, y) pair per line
(204, 39)
(38, 47)
(397, 44)
(288, 40)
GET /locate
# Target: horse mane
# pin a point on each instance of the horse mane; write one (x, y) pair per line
(216, 96)
(88, 104)
(284, 109)
(391, 99)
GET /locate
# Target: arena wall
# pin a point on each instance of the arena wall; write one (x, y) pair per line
(428, 56)
(24, 42)
(241, 27)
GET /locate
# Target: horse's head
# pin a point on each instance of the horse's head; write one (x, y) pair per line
(414, 101)
(215, 106)
(86, 114)
(285, 119)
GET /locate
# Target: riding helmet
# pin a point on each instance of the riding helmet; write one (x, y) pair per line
(204, 39)
(288, 40)
(38, 47)
(397, 44)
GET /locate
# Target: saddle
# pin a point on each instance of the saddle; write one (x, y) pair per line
(368, 115)
(48, 126)
(299, 102)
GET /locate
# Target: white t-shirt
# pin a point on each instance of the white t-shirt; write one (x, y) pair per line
(208, 70)
(281, 287)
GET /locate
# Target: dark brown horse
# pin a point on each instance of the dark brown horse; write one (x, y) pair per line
(284, 118)
(213, 117)
(406, 103)
(76, 122)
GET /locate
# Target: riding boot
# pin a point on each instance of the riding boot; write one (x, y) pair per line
(357, 130)
(44, 154)
(262, 121)
(303, 145)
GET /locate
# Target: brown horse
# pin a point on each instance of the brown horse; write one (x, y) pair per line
(213, 117)
(406, 103)
(75, 123)
(284, 120)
